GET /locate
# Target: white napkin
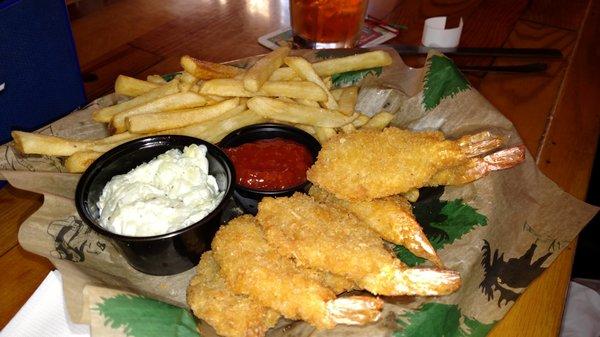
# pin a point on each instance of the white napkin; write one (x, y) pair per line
(582, 312)
(44, 314)
(435, 33)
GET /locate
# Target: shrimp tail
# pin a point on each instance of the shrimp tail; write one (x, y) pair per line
(354, 310)
(505, 158)
(413, 281)
(480, 143)
(476, 168)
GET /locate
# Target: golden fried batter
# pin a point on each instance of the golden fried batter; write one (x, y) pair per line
(254, 268)
(390, 217)
(325, 237)
(369, 164)
(231, 315)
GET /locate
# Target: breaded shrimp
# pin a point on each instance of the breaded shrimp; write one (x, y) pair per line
(337, 283)
(328, 238)
(369, 164)
(252, 267)
(390, 217)
(231, 315)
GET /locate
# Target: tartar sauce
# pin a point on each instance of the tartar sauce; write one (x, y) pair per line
(172, 191)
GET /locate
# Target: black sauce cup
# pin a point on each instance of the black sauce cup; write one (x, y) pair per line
(169, 253)
(249, 198)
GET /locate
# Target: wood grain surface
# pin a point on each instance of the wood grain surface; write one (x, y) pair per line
(555, 112)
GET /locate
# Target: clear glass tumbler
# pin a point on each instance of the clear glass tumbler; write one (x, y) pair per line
(327, 23)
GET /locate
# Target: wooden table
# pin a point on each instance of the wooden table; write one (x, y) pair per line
(555, 112)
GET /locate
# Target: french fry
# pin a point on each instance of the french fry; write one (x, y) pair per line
(235, 88)
(283, 74)
(78, 162)
(193, 130)
(196, 88)
(367, 60)
(177, 101)
(116, 138)
(207, 70)
(347, 100)
(297, 113)
(106, 114)
(379, 120)
(187, 81)
(412, 195)
(35, 143)
(307, 102)
(132, 87)
(324, 134)
(286, 99)
(329, 67)
(303, 68)
(328, 82)
(260, 72)
(361, 120)
(215, 98)
(337, 93)
(215, 129)
(226, 87)
(156, 79)
(348, 128)
(294, 89)
(306, 128)
(153, 122)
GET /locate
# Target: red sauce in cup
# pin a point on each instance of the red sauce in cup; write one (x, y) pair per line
(270, 164)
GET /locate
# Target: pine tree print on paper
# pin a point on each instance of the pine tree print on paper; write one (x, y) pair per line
(437, 319)
(353, 77)
(443, 79)
(144, 317)
(443, 223)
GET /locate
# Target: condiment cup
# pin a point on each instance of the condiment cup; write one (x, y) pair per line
(248, 198)
(165, 254)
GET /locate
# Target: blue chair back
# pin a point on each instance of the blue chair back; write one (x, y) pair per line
(38, 65)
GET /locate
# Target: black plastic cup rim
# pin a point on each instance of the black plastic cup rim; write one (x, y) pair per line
(236, 138)
(113, 154)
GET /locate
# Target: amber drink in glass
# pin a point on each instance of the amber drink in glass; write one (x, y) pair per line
(327, 23)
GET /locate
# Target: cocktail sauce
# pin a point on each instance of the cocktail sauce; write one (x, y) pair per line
(270, 164)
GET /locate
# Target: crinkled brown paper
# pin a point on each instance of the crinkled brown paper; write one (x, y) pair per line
(529, 219)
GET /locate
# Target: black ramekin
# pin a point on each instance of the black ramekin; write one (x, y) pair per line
(248, 198)
(164, 254)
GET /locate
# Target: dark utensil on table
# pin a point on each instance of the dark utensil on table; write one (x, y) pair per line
(489, 52)
(513, 69)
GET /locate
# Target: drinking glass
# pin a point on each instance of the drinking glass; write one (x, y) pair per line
(327, 23)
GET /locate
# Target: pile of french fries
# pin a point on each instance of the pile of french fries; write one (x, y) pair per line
(209, 100)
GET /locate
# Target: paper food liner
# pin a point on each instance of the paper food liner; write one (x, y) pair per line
(500, 232)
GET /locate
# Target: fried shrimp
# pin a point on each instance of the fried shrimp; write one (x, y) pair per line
(231, 315)
(252, 267)
(328, 238)
(369, 164)
(390, 217)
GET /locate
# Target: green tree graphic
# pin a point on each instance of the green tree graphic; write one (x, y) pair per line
(444, 222)
(440, 320)
(442, 80)
(353, 77)
(144, 317)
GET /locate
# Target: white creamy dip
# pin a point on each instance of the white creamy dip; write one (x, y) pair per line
(172, 191)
